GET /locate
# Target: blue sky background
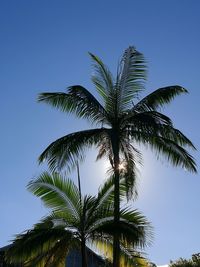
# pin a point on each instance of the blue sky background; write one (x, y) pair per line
(43, 47)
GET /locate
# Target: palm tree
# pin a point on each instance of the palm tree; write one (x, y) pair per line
(120, 123)
(74, 220)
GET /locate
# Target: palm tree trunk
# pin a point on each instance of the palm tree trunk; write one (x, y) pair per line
(79, 180)
(83, 253)
(116, 245)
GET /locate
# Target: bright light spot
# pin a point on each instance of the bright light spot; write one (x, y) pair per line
(121, 166)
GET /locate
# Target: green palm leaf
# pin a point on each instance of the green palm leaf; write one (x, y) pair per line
(176, 154)
(106, 191)
(131, 77)
(137, 230)
(77, 100)
(173, 152)
(37, 245)
(159, 97)
(133, 228)
(70, 147)
(175, 135)
(128, 256)
(130, 159)
(147, 119)
(102, 78)
(57, 193)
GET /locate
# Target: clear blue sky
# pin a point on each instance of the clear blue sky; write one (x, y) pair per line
(43, 47)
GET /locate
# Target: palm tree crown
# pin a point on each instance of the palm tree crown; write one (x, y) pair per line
(118, 116)
(73, 221)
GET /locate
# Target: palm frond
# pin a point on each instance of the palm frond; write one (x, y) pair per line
(144, 121)
(175, 135)
(77, 100)
(58, 100)
(57, 193)
(135, 228)
(106, 191)
(155, 123)
(129, 256)
(36, 244)
(103, 81)
(130, 159)
(102, 78)
(57, 258)
(54, 257)
(131, 77)
(101, 210)
(67, 149)
(158, 98)
(174, 152)
(105, 149)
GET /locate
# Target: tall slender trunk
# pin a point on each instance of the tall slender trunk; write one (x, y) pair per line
(83, 253)
(116, 245)
(79, 180)
(83, 241)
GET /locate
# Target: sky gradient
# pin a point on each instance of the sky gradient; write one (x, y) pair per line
(44, 47)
